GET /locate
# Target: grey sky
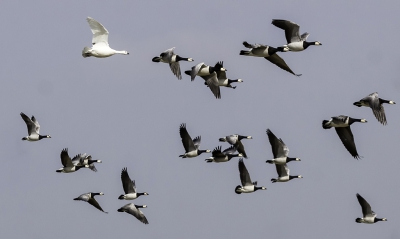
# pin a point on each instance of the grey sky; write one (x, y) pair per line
(126, 111)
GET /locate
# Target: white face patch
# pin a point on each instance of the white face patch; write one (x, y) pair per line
(300, 176)
(190, 59)
(249, 137)
(223, 69)
(240, 80)
(297, 159)
(364, 120)
(392, 102)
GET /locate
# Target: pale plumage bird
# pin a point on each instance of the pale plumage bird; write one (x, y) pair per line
(342, 126)
(135, 211)
(100, 47)
(129, 187)
(247, 185)
(33, 129)
(375, 103)
(89, 198)
(369, 216)
(295, 41)
(168, 56)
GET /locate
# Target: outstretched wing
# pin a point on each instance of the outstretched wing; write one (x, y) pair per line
(347, 138)
(127, 184)
(197, 142)
(291, 29)
(278, 61)
(186, 139)
(366, 208)
(100, 33)
(244, 174)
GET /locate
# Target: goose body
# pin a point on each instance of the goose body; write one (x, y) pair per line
(100, 47)
(235, 140)
(191, 145)
(375, 103)
(135, 211)
(173, 60)
(129, 187)
(283, 174)
(342, 124)
(33, 129)
(269, 53)
(89, 198)
(219, 156)
(295, 41)
(369, 216)
(279, 150)
(66, 161)
(247, 185)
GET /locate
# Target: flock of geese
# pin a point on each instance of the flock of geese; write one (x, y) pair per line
(215, 77)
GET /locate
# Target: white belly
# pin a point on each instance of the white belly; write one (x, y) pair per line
(248, 189)
(222, 82)
(102, 51)
(130, 196)
(205, 71)
(191, 154)
(283, 179)
(296, 46)
(279, 161)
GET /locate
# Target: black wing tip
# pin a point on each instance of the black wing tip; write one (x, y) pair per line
(182, 126)
(298, 75)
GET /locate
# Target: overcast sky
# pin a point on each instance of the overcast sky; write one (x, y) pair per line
(126, 111)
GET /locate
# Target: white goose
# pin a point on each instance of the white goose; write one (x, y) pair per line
(100, 46)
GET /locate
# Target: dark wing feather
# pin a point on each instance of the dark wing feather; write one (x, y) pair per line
(216, 153)
(244, 174)
(65, 159)
(29, 124)
(186, 139)
(240, 148)
(278, 61)
(127, 184)
(94, 203)
(366, 208)
(347, 138)
(291, 29)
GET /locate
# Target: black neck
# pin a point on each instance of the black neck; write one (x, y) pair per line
(273, 50)
(292, 177)
(352, 120)
(200, 151)
(240, 137)
(378, 219)
(179, 58)
(382, 101)
(257, 188)
(140, 194)
(42, 136)
(290, 159)
(94, 194)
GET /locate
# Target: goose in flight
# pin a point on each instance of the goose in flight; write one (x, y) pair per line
(295, 42)
(283, 174)
(66, 161)
(135, 211)
(209, 74)
(129, 187)
(269, 53)
(100, 47)
(235, 140)
(191, 145)
(33, 129)
(375, 103)
(369, 216)
(173, 60)
(89, 197)
(223, 80)
(247, 185)
(279, 150)
(224, 156)
(342, 126)
(84, 159)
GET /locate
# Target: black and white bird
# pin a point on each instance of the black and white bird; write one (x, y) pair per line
(342, 126)
(283, 174)
(247, 185)
(33, 129)
(85, 159)
(100, 47)
(269, 53)
(223, 80)
(66, 161)
(295, 41)
(191, 145)
(209, 74)
(279, 150)
(168, 56)
(235, 140)
(89, 197)
(129, 187)
(135, 211)
(375, 103)
(369, 216)
(219, 156)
